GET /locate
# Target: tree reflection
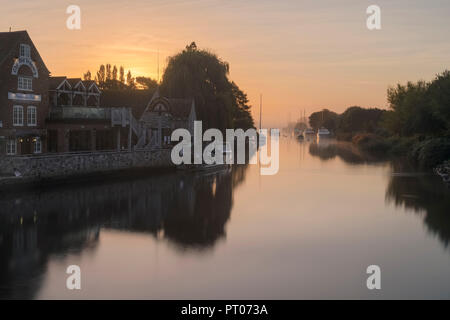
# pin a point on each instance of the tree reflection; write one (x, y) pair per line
(344, 150)
(422, 192)
(425, 194)
(190, 210)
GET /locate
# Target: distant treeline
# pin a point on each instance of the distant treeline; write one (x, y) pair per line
(191, 74)
(109, 77)
(417, 122)
(352, 121)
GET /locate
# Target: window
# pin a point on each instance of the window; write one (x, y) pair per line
(25, 51)
(31, 115)
(11, 146)
(37, 145)
(18, 116)
(25, 83)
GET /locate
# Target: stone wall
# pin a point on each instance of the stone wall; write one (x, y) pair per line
(67, 164)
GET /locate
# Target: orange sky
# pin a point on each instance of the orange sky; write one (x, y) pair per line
(305, 54)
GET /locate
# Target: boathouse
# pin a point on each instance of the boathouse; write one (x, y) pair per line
(164, 115)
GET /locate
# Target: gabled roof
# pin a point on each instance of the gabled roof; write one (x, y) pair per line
(134, 99)
(9, 41)
(75, 81)
(88, 83)
(55, 82)
(177, 108)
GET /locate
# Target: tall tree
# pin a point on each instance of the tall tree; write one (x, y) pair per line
(130, 81)
(200, 74)
(122, 75)
(114, 73)
(108, 72)
(101, 77)
(87, 76)
(241, 116)
(358, 120)
(324, 118)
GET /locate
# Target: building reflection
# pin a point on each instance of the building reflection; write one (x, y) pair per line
(189, 210)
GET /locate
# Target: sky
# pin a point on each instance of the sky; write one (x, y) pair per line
(301, 55)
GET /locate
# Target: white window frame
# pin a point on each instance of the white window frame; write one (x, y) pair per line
(18, 119)
(25, 83)
(37, 146)
(32, 116)
(25, 51)
(11, 147)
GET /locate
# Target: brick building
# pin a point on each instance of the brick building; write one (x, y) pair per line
(41, 113)
(23, 95)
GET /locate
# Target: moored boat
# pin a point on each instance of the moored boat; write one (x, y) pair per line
(323, 133)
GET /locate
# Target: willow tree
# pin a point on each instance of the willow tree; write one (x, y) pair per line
(201, 75)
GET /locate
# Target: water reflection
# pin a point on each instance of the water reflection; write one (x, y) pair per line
(331, 149)
(188, 210)
(330, 211)
(423, 193)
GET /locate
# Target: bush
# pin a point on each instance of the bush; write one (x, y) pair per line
(401, 145)
(371, 143)
(431, 152)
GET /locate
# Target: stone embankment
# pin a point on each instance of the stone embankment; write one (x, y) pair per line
(32, 168)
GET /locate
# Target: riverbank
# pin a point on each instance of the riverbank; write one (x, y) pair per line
(428, 152)
(443, 171)
(53, 168)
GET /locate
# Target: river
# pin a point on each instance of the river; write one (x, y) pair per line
(308, 232)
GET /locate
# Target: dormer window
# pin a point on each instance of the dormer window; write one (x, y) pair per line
(25, 51)
(25, 83)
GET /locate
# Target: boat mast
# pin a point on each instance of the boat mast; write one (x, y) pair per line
(260, 111)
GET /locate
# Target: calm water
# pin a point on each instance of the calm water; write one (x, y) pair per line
(308, 232)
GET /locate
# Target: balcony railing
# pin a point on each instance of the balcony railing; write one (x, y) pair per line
(93, 113)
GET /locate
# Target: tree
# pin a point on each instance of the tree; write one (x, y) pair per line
(146, 83)
(130, 81)
(108, 72)
(114, 73)
(439, 95)
(324, 118)
(109, 78)
(200, 74)
(412, 112)
(241, 116)
(100, 79)
(87, 76)
(358, 120)
(122, 75)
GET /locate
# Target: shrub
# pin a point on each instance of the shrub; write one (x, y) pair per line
(371, 143)
(431, 152)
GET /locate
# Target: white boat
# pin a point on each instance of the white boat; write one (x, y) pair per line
(323, 133)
